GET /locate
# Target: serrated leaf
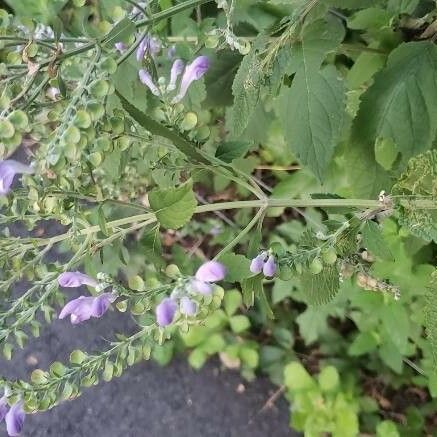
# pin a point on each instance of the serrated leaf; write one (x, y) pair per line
(373, 240)
(246, 91)
(400, 104)
(173, 207)
(321, 288)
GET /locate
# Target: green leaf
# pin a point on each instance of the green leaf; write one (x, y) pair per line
(102, 221)
(231, 150)
(385, 152)
(312, 113)
(173, 207)
(350, 4)
(39, 377)
(237, 267)
(239, 323)
(296, 378)
(363, 343)
(374, 241)
(321, 288)
(120, 32)
(77, 357)
(232, 301)
(402, 6)
(370, 18)
(400, 104)
(387, 428)
(431, 315)
(329, 379)
(246, 91)
(396, 323)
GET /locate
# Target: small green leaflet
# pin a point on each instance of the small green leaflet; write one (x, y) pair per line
(374, 241)
(400, 104)
(173, 207)
(320, 289)
(230, 150)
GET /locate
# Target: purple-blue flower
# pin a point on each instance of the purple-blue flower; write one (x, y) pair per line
(3, 408)
(269, 268)
(147, 80)
(120, 47)
(8, 169)
(201, 286)
(85, 307)
(176, 70)
(257, 264)
(211, 271)
(188, 307)
(75, 279)
(171, 52)
(166, 311)
(193, 71)
(149, 45)
(15, 419)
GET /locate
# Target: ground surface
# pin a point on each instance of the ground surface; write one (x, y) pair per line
(147, 400)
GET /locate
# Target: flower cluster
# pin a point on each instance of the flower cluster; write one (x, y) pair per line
(8, 169)
(14, 417)
(202, 282)
(84, 307)
(264, 262)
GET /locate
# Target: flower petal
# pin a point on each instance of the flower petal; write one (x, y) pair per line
(3, 408)
(166, 311)
(101, 304)
(257, 264)
(79, 309)
(75, 279)
(270, 267)
(147, 80)
(188, 306)
(15, 419)
(176, 70)
(211, 271)
(201, 286)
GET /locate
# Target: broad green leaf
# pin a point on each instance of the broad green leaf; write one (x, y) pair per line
(297, 378)
(232, 301)
(239, 323)
(230, 150)
(395, 320)
(173, 207)
(350, 4)
(385, 152)
(374, 241)
(364, 68)
(321, 288)
(402, 6)
(370, 18)
(237, 267)
(41, 10)
(387, 428)
(329, 379)
(363, 343)
(400, 104)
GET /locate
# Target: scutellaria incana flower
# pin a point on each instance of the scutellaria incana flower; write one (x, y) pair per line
(166, 311)
(15, 419)
(211, 271)
(3, 408)
(149, 45)
(193, 71)
(120, 47)
(8, 169)
(201, 286)
(85, 307)
(176, 70)
(263, 263)
(188, 307)
(75, 279)
(147, 80)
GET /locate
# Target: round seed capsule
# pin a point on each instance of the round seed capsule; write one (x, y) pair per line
(316, 266)
(329, 256)
(189, 121)
(82, 119)
(19, 119)
(7, 129)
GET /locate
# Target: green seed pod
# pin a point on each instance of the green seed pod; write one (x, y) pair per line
(203, 133)
(14, 141)
(172, 271)
(211, 41)
(82, 119)
(96, 110)
(71, 151)
(117, 125)
(108, 65)
(123, 143)
(329, 256)
(19, 119)
(189, 121)
(103, 144)
(99, 88)
(316, 266)
(4, 102)
(95, 159)
(298, 268)
(72, 135)
(7, 129)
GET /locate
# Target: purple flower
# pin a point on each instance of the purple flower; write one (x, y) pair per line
(147, 80)
(85, 307)
(188, 306)
(75, 279)
(15, 419)
(257, 264)
(211, 271)
(149, 45)
(269, 268)
(176, 70)
(3, 408)
(8, 169)
(120, 47)
(171, 52)
(166, 311)
(201, 286)
(193, 71)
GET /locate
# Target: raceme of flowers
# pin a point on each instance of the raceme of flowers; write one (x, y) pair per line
(202, 283)
(264, 262)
